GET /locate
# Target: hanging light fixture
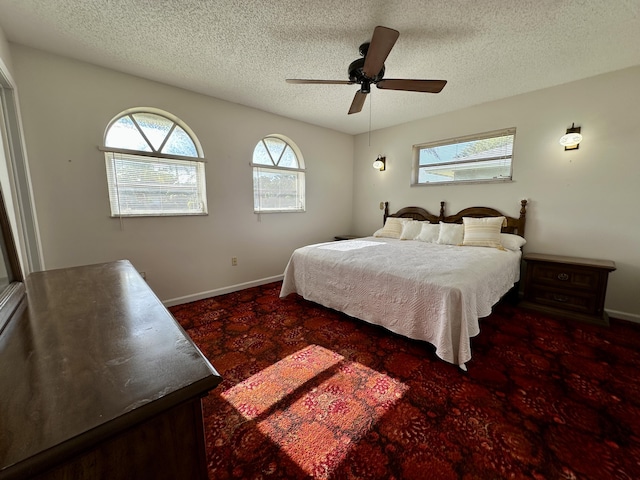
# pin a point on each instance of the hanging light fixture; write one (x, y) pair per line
(380, 163)
(571, 140)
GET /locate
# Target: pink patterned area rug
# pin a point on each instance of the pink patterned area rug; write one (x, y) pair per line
(310, 393)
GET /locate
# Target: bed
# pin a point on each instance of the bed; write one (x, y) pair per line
(430, 286)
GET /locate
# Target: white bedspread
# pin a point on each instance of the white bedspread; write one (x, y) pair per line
(424, 291)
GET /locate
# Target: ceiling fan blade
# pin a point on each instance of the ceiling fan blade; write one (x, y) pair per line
(358, 102)
(428, 86)
(323, 82)
(381, 44)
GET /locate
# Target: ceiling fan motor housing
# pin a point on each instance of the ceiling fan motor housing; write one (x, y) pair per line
(356, 75)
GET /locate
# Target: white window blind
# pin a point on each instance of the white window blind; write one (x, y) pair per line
(140, 185)
(277, 190)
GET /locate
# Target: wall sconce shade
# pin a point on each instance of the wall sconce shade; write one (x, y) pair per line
(571, 140)
(380, 163)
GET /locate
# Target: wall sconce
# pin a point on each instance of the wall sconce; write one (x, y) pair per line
(380, 163)
(571, 140)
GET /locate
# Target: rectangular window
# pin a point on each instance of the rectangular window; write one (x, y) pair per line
(154, 186)
(277, 190)
(485, 157)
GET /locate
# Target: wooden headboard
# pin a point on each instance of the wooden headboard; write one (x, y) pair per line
(515, 225)
(416, 213)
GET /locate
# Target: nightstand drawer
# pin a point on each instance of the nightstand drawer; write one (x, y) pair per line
(566, 300)
(567, 287)
(565, 276)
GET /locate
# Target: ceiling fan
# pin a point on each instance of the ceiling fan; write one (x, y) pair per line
(370, 70)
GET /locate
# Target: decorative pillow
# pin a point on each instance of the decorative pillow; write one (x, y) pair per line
(429, 233)
(450, 233)
(392, 228)
(512, 242)
(483, 232)
(410, 230)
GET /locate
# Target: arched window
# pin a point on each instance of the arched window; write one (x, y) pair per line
(154, 165)
(278, 176)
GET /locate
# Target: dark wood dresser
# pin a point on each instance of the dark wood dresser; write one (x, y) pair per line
(567, 287)
(97, 380)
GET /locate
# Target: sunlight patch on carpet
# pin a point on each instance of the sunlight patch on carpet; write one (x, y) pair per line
(257, 394)
(315, 405)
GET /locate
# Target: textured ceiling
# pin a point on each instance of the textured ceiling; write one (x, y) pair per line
(242, 51)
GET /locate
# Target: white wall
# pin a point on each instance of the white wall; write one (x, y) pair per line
(5, 52)
(66, 106)
(583, 203)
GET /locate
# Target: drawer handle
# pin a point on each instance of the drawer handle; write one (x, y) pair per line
(563, 276)
(560, 298)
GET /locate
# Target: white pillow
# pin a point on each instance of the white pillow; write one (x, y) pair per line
(450, 233)
(410, 230)
(482, 232)
(429, 232)
(512, 242)
(392, 228)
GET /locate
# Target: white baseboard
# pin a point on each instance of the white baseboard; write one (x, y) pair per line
(220, 291)
(631, 317)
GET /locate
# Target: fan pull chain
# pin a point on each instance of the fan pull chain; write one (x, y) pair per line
(370, 108)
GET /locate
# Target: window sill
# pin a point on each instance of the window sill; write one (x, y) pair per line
(143, 215)
(260, 212)
(463, 182)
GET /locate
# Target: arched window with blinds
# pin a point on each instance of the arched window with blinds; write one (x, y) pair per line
(155, 165)
(278, 176)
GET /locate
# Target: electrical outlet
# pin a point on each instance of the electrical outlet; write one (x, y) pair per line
(381, 205)
(234, 261)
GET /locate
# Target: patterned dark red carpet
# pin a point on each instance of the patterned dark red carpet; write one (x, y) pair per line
(311, 393)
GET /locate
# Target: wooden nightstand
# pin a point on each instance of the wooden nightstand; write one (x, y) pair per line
(567, 287)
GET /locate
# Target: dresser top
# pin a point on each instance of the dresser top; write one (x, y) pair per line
(566, 260)
(91, 352)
